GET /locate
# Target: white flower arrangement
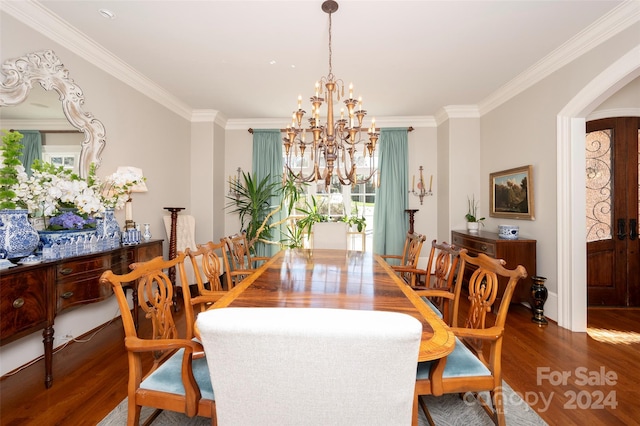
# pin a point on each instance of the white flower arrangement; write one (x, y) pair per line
(50, 187)
(116, 188)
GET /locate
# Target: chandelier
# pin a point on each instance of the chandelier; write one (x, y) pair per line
(333, 145)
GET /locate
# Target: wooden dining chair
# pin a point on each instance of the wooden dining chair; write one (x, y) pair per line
(176, 381)
(466, 369)
(241, 263)
(442, 269)
(311, 366)
(407, 268)
(205, 262)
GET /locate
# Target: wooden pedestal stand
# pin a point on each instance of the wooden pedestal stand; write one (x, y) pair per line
(411, 212)
(172, 250)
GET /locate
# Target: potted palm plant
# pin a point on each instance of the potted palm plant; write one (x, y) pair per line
(251, 200)
(473, 221)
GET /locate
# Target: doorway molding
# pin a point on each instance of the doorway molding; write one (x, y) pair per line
(571, 202)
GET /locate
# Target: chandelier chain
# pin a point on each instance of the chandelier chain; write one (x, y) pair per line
(330, 50)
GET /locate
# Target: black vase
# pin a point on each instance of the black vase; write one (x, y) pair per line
(539, 295)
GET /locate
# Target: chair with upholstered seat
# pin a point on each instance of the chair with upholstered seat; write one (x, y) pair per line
(407, 268)
(330, 235)
(441, 272)
(311, 366)
(177, 381)
(240, 260)
(467, 369)
(208, 289)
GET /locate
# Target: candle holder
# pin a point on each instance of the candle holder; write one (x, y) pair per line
(233, 184)
(422, 191)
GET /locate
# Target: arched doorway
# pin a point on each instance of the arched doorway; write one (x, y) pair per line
(571, 239)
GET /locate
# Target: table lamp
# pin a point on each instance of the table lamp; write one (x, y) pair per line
(140, 187)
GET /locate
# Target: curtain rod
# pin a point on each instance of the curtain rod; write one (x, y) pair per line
(409, 129)
(53, 131)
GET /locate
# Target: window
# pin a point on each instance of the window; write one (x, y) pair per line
(65, 156)
(338, 201)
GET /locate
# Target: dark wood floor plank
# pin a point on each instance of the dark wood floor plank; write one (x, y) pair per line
(90, 379)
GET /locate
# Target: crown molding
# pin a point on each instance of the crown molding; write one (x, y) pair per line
(609, 25)
(208, 116)
(456, 111)
(34, 15)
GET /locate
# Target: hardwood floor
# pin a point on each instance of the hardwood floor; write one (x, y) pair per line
(90, 378)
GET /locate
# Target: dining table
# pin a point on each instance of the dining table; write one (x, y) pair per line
(339, 279)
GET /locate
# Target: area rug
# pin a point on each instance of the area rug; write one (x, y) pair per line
(447, 410)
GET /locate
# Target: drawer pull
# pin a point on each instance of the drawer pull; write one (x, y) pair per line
(484, 247)
(67, 295)
(18, 303)
(66, 271)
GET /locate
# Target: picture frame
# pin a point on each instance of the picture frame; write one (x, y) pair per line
(511, 193)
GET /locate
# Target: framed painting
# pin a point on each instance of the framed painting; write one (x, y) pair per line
(511, 193)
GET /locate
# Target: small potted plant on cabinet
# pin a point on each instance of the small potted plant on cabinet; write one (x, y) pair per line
(473, 221)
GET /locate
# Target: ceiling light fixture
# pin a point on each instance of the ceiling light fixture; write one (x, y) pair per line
(106, 13)
(334, 144)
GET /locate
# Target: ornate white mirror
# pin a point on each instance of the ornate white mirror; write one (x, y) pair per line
(19, 78)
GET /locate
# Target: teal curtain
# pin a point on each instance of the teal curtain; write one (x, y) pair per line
(32, 150)
(267, 161)
(390, 224)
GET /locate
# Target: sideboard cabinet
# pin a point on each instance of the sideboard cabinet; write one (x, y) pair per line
(515, 252)
(31, 296)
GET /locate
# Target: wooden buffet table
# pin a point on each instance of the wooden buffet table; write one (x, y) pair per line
(515, 252)
(339, 279)
(31, 296)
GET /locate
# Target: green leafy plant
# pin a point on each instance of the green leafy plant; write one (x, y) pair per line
(291, 192)
(360, 222)
(252, 202)
(311, 214)
(11, 153)
(292, 236)
(472, 213)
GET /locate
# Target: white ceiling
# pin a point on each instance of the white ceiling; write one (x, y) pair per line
(405, 58)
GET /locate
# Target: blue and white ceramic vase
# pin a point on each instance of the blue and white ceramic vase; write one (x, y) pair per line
(107, 225)
(18, 238)
(49, 238)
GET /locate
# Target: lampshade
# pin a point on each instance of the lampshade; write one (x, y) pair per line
(134, 171)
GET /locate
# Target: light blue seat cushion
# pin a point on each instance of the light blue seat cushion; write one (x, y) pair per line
(432, 306)
(460, 363)
(168, 378)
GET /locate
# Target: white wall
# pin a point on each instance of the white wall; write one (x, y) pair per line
(625, 102)
(238, 153)
(459, 138)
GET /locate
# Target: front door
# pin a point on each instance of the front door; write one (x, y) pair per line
(612, 195)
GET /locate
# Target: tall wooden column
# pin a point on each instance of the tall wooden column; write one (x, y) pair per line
(173, 249)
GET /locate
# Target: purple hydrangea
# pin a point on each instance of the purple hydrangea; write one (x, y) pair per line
(71, 220)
